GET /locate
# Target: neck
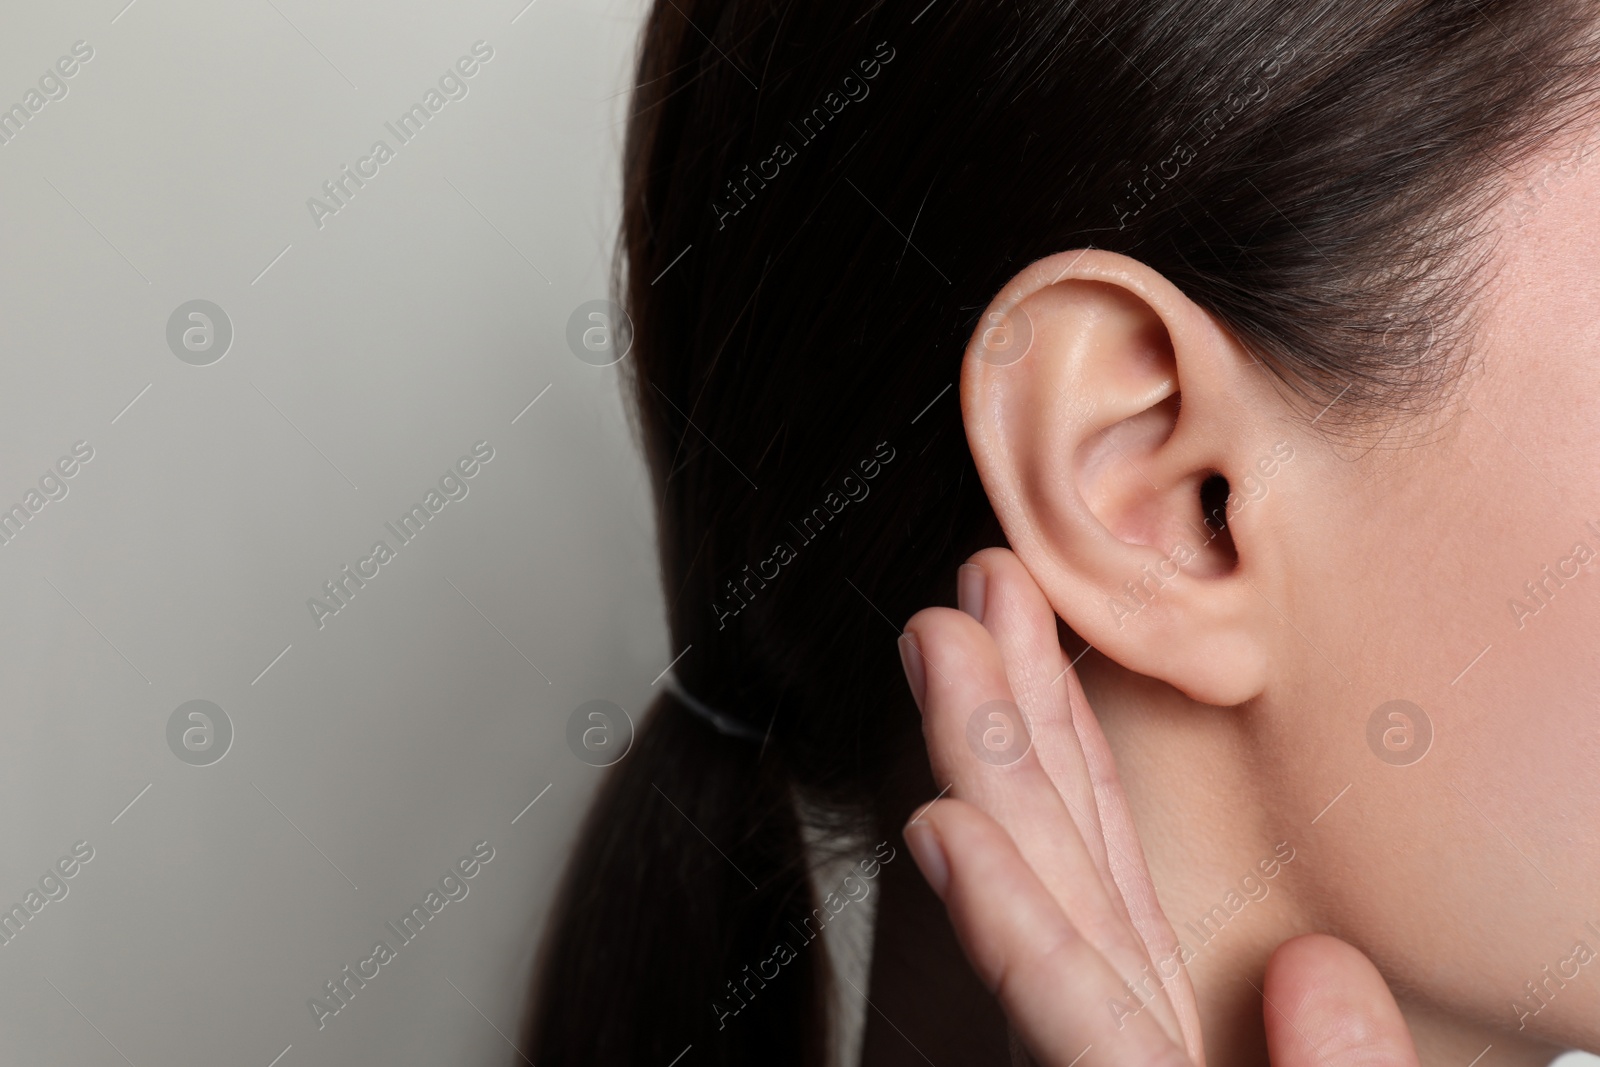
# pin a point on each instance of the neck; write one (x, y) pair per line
(1236, 875)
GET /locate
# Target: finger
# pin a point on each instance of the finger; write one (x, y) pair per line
(965, 677)
(1326, 1005)
(1012, 608)
(1000, 593)
(1129, 870)
(1062, 996)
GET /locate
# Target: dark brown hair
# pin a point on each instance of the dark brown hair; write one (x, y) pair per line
(820, 200)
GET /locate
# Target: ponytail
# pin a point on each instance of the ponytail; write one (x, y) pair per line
(688, 871)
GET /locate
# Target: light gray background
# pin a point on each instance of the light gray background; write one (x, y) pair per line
(420, 319)
(369, 355)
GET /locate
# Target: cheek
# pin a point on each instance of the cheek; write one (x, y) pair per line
(1530, 705)
(1409, 559)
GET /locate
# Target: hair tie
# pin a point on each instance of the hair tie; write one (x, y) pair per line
(723, 724)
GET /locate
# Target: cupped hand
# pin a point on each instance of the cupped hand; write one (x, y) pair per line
(1033, 850)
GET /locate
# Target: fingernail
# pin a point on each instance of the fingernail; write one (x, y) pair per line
(971, 586)
(927, 850)
(911, 661)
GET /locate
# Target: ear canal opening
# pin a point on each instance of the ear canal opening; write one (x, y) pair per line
(1219, 546)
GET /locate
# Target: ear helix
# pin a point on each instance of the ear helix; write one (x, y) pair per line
(1003, 337)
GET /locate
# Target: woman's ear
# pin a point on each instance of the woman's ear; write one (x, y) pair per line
(1130, 446)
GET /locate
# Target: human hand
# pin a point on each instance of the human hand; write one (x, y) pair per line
(1035, 855)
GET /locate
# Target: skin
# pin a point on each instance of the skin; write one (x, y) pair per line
(1234, 701)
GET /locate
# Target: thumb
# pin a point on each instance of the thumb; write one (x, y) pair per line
(1326, 1005)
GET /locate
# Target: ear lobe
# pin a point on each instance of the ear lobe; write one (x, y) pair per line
(1106, 412)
